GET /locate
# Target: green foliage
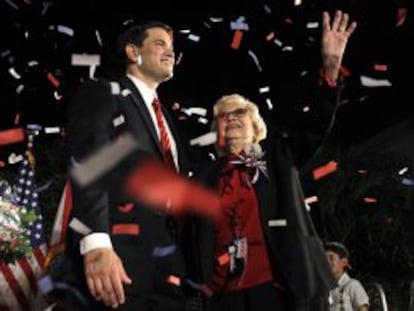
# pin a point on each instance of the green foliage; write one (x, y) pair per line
(14, 241)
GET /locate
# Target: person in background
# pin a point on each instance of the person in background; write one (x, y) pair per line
(263, 253)
(115, 264)
(349, 294)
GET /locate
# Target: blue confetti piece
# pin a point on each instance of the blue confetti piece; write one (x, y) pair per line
(408, 182)
(162, 251)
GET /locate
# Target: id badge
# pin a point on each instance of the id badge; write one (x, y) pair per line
(238, 256)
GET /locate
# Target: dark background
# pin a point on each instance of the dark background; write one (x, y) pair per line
(210, 68)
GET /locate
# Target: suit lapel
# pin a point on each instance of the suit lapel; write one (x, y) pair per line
(136, 97)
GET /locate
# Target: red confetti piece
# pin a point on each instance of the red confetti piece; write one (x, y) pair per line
(165, 189)
(370, 200)
(324, 170)
(125, 208)
(174, 280)
(380, 67)
(17, 118)
(52, 79)
(270, 36)
(238, 35)
(223, 259)
(12, 136)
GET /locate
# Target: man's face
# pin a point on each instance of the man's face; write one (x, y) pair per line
(157, 55)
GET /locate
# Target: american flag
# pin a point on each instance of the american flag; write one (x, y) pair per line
(18, 282)
(58, 236)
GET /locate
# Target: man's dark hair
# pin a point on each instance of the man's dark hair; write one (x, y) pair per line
(136, 34)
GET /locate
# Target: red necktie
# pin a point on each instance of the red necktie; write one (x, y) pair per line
(165, 140)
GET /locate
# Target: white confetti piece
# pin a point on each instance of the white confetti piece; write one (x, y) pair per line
(99, 163)
(264, 89)
(15, 158)
(66, 30)
(118, 120)
(269, 104)
(371, 82)
(193, 37)
(205, 139)
(403, 171)
(202, 120)
(278, 42)
(277, 223)
(52, 130)
(198, 110)
(115, 88)
(86, 59)
(14, 73)
(255, 59)
(312, 25)
(79, 226)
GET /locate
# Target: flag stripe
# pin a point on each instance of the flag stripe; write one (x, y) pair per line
(28, 272)
(62, 217)
(14, 286)
(66, 212)
(39, 254)
(8, 298)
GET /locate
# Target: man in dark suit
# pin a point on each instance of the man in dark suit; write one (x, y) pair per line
(114, 260)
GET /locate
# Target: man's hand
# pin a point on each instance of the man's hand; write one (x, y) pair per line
(334, 40)
(105, 276)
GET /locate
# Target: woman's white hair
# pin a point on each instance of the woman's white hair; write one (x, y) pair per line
(239, 101)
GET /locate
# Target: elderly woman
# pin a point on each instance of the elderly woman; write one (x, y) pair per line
(263, 253)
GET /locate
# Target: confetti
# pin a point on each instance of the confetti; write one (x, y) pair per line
(408, 182)
(324, 170)
(65, 30)
(12, 136)
(174, 280)
(154, 183)
(14, 73)
(255, 59)
(86, 59)
(99, 163)
(193, 37)
(237, 37)
(311, 199)
(277, 223)
(403, 171)
(205, 139)
(79, 226)
(371, 82)
(264, 89)
(52, 130)
(163, 251)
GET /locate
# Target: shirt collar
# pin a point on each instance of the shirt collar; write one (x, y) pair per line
(343, 279)
(146, 93)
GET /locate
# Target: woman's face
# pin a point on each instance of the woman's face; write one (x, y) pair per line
(235, 126)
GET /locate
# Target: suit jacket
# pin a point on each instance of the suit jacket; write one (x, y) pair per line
(296, 253)
(135, 228)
